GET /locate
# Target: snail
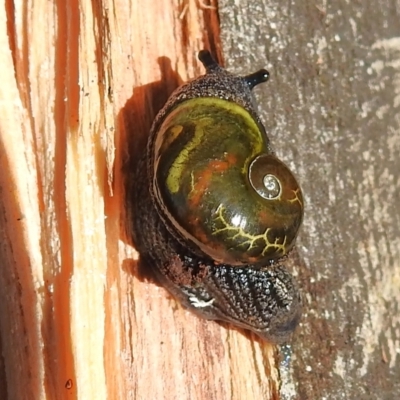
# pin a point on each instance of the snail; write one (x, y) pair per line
(215, 211)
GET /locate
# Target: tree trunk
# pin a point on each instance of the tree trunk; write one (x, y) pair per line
(82, 81)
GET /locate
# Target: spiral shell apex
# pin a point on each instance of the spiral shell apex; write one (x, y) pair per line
(221, 187)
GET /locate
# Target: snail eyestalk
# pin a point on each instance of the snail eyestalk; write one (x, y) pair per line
(208, 60)
(256, 78)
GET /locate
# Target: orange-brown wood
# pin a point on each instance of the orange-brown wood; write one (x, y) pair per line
(82, 81)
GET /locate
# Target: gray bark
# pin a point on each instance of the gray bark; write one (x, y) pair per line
(332, 110)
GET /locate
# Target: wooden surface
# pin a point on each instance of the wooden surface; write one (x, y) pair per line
(332, 107)
(81, 83)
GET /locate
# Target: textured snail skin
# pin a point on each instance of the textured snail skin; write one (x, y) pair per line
(215, 211)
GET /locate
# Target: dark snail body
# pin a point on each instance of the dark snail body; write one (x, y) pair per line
(215, 210)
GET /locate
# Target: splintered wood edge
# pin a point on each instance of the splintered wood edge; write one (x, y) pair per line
(76, 317)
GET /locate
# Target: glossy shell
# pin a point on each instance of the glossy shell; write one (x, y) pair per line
(221, 187)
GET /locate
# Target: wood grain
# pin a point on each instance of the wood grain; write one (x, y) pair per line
(332, 109)
(82, 83)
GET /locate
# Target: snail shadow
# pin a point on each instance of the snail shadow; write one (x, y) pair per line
(135, 120)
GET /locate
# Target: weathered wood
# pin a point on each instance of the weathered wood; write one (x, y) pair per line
(332, 109)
